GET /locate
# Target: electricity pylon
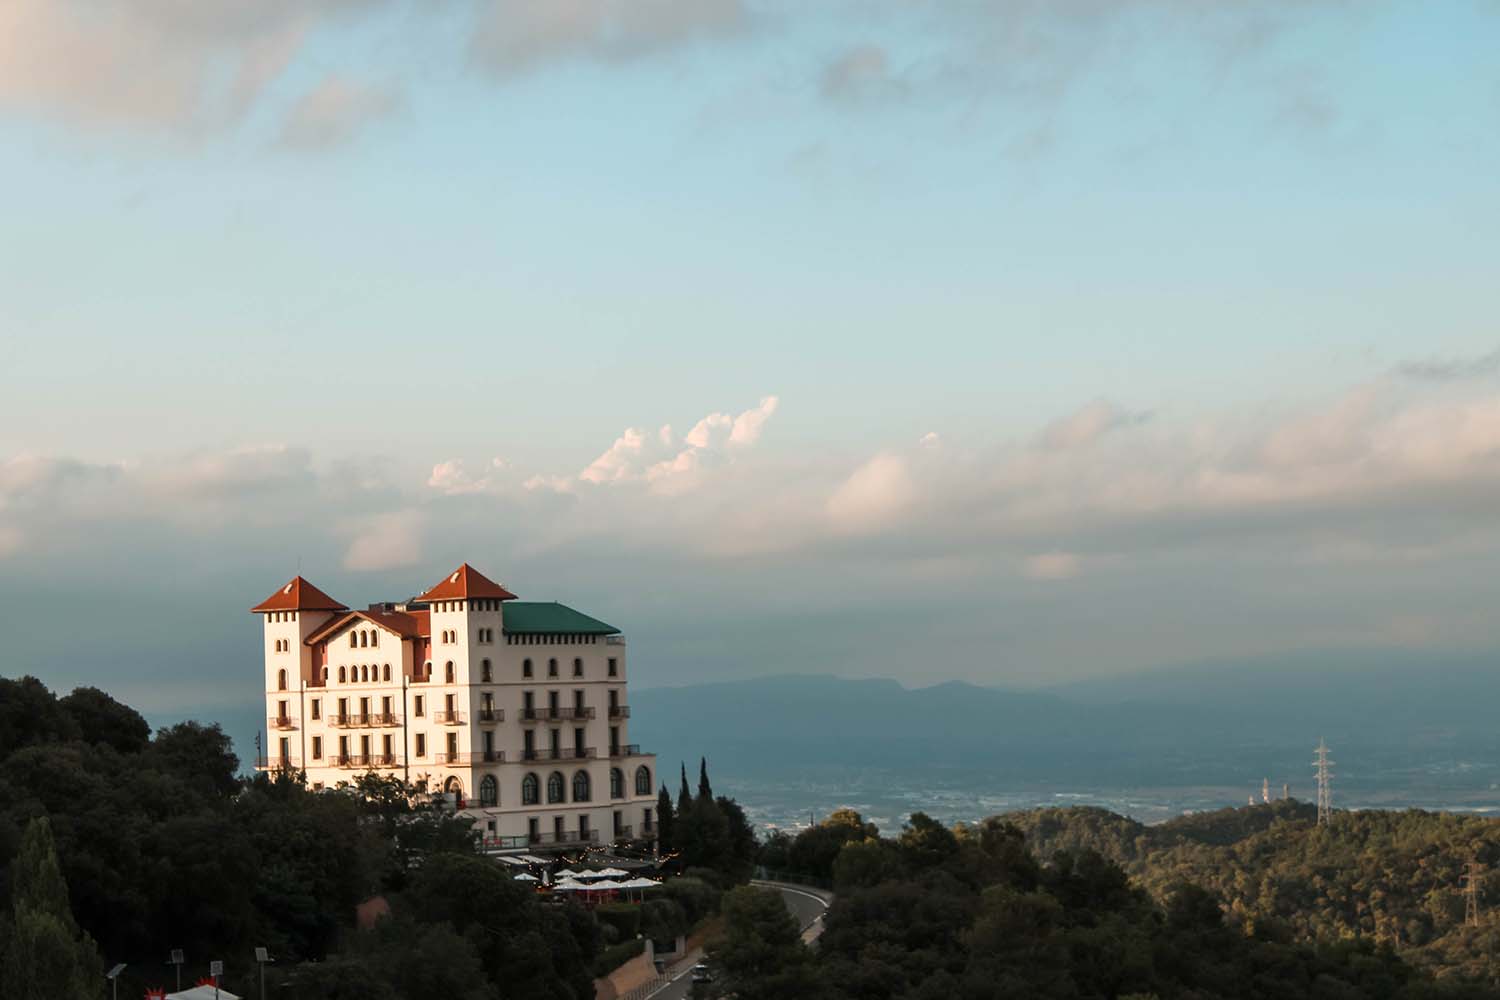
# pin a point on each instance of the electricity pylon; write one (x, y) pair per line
(1471, 880)
(1324, 769)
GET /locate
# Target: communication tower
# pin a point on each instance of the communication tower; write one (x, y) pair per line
(1472, 879)
(1323, 766)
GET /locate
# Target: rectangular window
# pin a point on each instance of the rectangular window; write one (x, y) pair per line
(421, 744)
(343, 746)
(317, 748)
(614, 667)
(420, 706)
(385, 745)
(317, 708)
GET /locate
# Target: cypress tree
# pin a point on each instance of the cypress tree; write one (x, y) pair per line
(705, 791)
(666, 820)
(684, 796)
(46, 957)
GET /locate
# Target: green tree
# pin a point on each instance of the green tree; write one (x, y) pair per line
(666, 827)
(760, 955)
(199, 755)
(101, 719)
(684, 796)
(46, 956)
(705, 790)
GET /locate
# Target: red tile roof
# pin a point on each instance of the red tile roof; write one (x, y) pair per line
(299, 595)
(406, 624)
(465, 582)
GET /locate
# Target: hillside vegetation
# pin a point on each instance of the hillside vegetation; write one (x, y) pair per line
(1387, 877)
(1252, 903)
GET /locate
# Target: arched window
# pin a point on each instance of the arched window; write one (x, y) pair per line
(353, 640)
(281, 680)
(374, 637)
(364, 637)
(643, 780)
(577, 666)
(552, 667)
(531, 790)
(364, 673)
(616, 783)
(555, 787)
(489, 791)
(448, 671)
(325, 675)
(581, 786)
(341, 675)
(484, 671)
(386, 672)
(526, 668)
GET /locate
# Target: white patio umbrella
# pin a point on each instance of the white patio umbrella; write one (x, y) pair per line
(569, 886)
(613, 873)
(565, 873)
(525, 877)
(605, 885)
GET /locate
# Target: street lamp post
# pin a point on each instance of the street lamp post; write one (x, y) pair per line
(262, 956)
(177, 960)
(113, 975)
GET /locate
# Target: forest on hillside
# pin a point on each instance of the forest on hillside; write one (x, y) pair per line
(118, 844)
(1249, 903)
(1394, 878)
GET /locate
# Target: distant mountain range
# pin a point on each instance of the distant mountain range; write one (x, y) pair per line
(1384, 713)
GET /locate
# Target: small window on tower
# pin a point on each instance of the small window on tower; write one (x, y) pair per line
(526, 668)
(353, 640)
(374, 637)
(448, 672)
(385, 672)
(341, 675)
(577, 666)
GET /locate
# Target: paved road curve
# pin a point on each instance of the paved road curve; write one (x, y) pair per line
(806, 906)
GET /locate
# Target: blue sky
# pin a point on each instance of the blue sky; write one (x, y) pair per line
(1069, 338)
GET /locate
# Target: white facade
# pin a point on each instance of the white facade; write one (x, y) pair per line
(493, 701)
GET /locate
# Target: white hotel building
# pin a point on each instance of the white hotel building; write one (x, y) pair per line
(515, 709)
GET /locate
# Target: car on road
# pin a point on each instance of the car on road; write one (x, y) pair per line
(702, 974)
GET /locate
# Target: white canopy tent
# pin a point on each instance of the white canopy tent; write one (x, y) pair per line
(204, 993)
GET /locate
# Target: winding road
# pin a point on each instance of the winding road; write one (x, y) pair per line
(807, 905)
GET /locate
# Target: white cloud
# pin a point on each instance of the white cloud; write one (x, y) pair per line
(1051, 566)
(1088, 424)
(162, 64)
(749, 424)
(453, 477)
(333, 113)
(385, 541)
(930, 440)
(874, 496)
(518, 35)
(619, 461)
(639, 456)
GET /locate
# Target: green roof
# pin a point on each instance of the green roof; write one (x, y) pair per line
(537, 617)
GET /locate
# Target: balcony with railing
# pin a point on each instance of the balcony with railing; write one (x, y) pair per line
(561, 753)
(385, 719)
(648, 828)
(556, 714)
(455, 757)
(624, 832)
(352, 760)
(281, 722)
(619, 711)
(625, 750)
(445, 718)
(491, 715)
(565, 837)
(276, 763)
